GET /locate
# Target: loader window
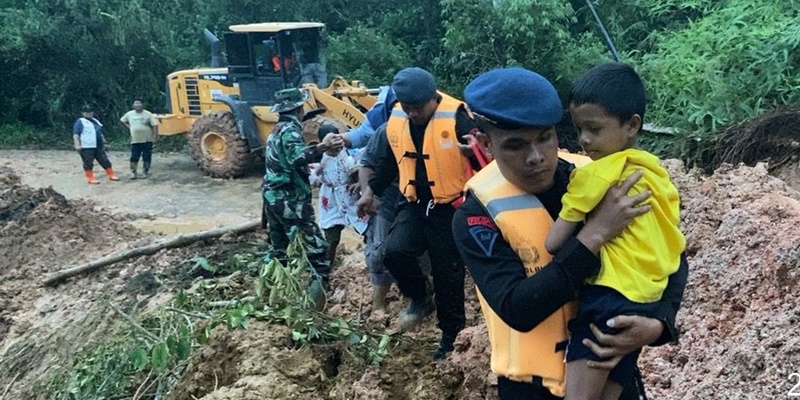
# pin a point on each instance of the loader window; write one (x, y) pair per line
(309, 49)
(263, 59)
(307, 44)
(238, 49)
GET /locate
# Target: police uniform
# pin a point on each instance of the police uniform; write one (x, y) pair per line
(286, 188)
(522, 287)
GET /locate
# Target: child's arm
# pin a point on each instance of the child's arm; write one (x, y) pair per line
(559, 234)
(315, 176)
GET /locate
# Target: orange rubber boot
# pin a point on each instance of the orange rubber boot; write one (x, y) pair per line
(110, 173)
(90, 176)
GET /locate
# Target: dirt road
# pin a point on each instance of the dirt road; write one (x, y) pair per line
(176, 198)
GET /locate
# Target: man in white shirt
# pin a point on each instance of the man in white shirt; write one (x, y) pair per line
(88, 139)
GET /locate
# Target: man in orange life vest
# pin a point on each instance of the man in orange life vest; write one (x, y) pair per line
(527, 296)
(420, 143)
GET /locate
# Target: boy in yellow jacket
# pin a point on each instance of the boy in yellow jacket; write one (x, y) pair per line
(607, 106)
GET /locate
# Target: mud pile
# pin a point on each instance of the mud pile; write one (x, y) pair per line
(741, 312)
(43, 329)
(41, 232)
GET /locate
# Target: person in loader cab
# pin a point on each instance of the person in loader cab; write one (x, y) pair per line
(527, 296)
(89, 142)
(287, 191)
(419, 152)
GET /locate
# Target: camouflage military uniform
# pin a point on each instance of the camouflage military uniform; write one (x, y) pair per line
(287, 194)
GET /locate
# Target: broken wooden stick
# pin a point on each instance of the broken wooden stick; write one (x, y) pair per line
(168, 243)
(135, 324)
(8, 387)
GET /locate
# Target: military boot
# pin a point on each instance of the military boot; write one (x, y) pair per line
(134, 174)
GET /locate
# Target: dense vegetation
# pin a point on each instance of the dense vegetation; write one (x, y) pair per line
(707, 63)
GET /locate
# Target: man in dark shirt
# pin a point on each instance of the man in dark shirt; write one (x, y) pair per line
(419, 148)
(521, 136)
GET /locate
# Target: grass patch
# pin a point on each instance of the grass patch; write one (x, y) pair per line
(19, 136)
(25, 137)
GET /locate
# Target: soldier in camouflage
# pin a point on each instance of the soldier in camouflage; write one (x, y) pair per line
(287, 192)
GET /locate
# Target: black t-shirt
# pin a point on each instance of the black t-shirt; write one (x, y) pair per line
(499, 273)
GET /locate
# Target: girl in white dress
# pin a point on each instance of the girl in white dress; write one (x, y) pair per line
(337, 204)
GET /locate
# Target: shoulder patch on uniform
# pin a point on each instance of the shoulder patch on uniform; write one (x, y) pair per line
(484, 237)
(481, 220)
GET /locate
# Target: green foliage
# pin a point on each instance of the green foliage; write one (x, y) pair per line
(633, 23)
(22, 136)
(531, 33)
(282, 289)
(149, 356)
(736, 62)
(706, 63)
(103, 373)
(144, 357)
(366, 54)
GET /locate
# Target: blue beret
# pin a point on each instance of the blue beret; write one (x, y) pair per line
(514, 97)
(414, 86)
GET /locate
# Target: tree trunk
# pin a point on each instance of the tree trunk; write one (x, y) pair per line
(175, 241)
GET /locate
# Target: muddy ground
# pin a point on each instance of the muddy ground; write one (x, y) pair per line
(739, 321)
(177, 197)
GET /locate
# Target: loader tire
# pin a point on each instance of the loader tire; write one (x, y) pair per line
(217, 147)
(311, 127)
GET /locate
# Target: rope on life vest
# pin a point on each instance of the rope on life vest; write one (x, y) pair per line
(482, 156)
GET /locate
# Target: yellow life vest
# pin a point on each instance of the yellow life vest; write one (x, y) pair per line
(524, 223)
(444, 163)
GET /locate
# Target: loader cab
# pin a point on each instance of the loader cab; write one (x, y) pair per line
(265, 58)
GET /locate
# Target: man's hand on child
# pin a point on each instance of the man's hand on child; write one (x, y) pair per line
(333, 142)
(634, 332)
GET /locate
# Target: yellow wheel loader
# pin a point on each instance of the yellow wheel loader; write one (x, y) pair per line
(224, 110)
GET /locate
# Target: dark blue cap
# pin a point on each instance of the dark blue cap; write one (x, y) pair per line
(514, 97)
(414, 86)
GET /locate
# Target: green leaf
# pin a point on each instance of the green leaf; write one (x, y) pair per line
(139, 359)
(180, 299)
(172, 344)
(205, 336)
(353, 338)
(184, 348)
(202, 262)
(160, 357)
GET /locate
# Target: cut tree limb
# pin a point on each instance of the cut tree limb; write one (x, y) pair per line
(168, 243)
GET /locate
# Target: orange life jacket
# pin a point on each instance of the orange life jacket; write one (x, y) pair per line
(524, 223)
(444, 163)
(287, 63)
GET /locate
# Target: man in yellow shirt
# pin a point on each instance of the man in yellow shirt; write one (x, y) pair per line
(607, 105)
(143, 127)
